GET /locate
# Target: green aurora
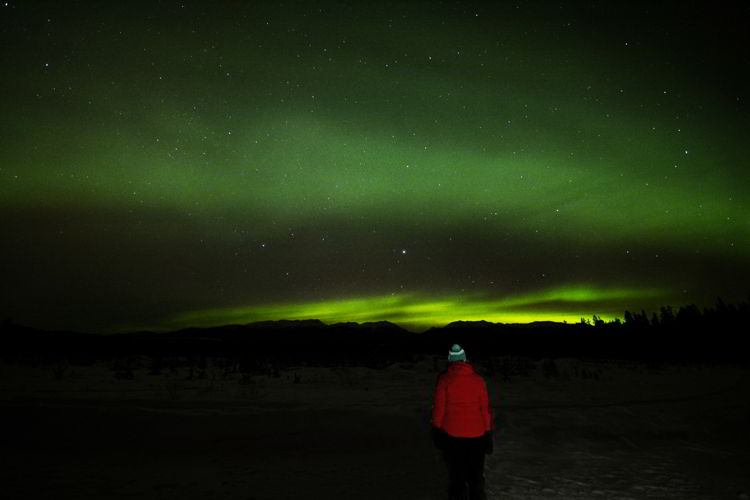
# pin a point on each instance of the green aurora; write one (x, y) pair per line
(418, 312)
(180, 164)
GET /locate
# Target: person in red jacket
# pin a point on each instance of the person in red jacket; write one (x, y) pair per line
(462, 425)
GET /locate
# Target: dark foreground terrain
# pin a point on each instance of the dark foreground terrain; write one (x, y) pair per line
(565, 429)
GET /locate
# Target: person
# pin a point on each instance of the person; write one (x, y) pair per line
(462, 425)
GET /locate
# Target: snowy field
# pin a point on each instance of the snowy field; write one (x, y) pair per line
(580, 430)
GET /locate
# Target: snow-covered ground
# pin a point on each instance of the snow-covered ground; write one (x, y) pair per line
(595, 430)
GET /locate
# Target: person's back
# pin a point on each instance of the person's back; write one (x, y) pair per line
(461, 403)
(462, 425)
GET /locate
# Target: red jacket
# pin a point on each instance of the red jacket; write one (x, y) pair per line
(462, 407)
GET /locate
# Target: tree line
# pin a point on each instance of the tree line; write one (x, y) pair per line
(720, 315)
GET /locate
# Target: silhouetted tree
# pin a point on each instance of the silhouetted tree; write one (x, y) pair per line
(721, 307)
(643, 321)
(666, 317)
(629, 319)
(689, 315)
(654, 320)
(636, 319)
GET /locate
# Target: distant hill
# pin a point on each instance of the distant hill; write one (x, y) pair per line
(306, 340)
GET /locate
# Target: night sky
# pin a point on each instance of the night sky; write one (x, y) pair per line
(165, 164)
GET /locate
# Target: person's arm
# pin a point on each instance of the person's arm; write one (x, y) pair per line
(438, 413)
(486, 409)
(438, 404)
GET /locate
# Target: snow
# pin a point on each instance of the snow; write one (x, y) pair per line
(622, 431)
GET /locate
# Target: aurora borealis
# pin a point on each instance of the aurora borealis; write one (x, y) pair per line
(195, 163)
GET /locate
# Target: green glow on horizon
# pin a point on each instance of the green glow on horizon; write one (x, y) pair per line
(416, 312)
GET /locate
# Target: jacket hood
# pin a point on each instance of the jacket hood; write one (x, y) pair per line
(463, 366)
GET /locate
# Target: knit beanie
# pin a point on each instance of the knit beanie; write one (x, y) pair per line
(456, 353)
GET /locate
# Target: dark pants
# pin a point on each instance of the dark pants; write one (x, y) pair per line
(465, 460)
